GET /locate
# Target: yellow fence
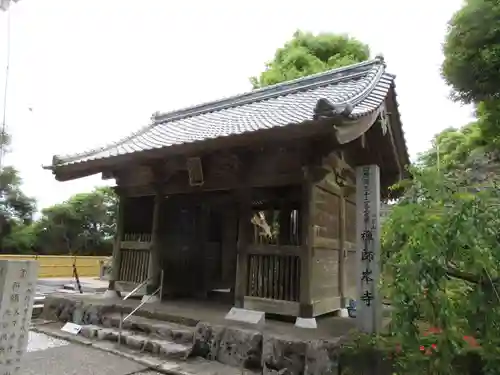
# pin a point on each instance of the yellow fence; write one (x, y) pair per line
(62, 265)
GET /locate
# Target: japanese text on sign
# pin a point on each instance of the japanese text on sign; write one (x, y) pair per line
(367, 203)
(367, 253)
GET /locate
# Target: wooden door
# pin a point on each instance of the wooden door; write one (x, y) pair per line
(182, 253)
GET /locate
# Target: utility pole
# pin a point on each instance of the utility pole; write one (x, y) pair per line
(5, 6)
(438, 161)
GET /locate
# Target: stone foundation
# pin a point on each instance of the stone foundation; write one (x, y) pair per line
(236, 346)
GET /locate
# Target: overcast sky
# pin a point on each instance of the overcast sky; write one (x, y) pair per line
(93, 71)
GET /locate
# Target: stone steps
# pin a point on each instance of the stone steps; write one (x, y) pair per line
(177, 333)
(160, 347)
(233, 348)
(230, 346)
(38, 306)
(136, 350)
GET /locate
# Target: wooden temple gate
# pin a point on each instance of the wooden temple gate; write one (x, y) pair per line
(253, 194)
(284, 248)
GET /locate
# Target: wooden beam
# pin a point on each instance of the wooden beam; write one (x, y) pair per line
(154, 268)
(115, 272)
(307, 229)
(342, 250)
(245, 212)
(263, 137)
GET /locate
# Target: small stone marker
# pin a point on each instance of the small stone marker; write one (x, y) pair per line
(72, 328)
(369, 306)
(17, 294)
(343, 313)
(309, 323)
(247, 316)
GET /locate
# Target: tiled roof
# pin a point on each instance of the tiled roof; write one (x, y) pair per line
(359, 89)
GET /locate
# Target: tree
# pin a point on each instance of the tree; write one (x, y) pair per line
(84, 224)
(307, 54)
(441, 258)
(472, 52)
(454, 148)
(472, 63)
(16, 209)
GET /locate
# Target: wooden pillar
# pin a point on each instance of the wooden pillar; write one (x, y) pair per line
(307, 230)
(244, 217)
(154, 267)
(229, 245)
(342, 250)
(116, 262)
(202, 281)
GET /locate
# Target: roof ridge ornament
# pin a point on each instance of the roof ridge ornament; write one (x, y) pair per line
(380, 57)
(326, 109)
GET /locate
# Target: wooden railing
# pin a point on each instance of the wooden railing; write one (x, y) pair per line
(134, 265)
(134, 257)
(274, 272)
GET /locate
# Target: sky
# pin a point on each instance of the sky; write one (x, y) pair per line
(85, 73)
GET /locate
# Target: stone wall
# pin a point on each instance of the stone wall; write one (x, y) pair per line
(232, 345)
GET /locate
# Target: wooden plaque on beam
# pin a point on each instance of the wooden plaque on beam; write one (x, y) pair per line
(195, 171)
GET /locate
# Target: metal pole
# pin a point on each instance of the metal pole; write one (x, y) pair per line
(120, 328)
(161, 285)
(3, 139)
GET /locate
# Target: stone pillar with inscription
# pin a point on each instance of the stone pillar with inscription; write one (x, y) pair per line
(369, 304)
(17, 293)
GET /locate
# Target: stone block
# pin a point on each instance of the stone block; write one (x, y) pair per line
(77, 315)
(152, 346)
(65, 311)
(89, 331)
(172, 350)
(282, 355)
(135, 342)
(257, 318)
(343, 313)
(309, 323)
(17, 296)
(241, 348)
(322, 357)
(182, 336)
(106, 334)
(111, 294)
(207, 340)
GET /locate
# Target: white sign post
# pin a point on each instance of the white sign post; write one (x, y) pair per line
(17, 294)
(369, 304)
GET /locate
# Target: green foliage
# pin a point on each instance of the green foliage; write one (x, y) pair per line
(472, 51)
(84, 224)
(16, 209)
(488, 114)
(14, 204)
(307, 54)
(441, 257)
(21, 239)
(452, 147)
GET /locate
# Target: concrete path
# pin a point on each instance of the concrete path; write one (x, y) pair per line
(89, 285)
(50, 356)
